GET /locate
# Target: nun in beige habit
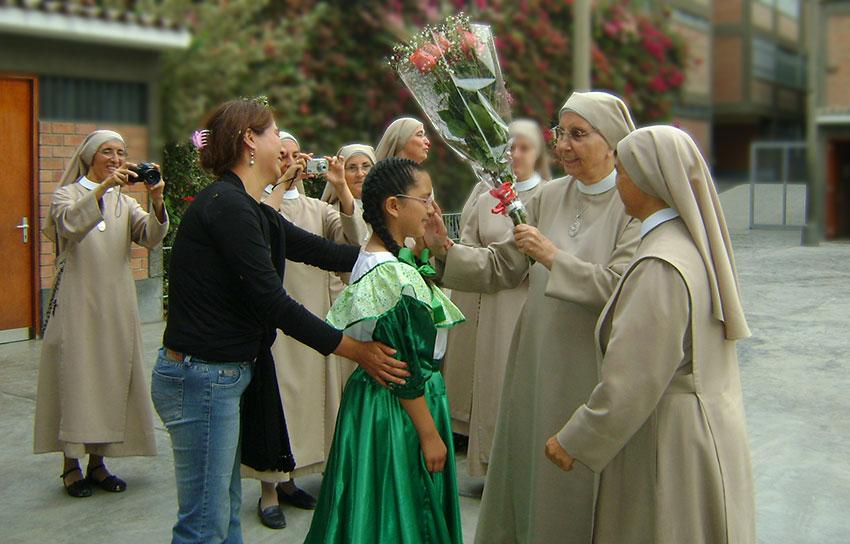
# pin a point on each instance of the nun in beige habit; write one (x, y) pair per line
(477, 352)
(357, 159)
(582, 241)
(93, 395)
(310, 384)
(405, 138)
(665, 426)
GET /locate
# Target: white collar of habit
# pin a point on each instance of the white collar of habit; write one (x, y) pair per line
(602, 186)
(90, 185)
(528, 184)
(657, 218)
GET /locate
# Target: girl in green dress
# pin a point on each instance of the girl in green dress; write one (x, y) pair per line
(390, 475)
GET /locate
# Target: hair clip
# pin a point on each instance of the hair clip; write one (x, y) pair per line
(200, 138)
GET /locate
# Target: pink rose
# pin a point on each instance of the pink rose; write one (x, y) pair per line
(432, 49)
(469, 44)
(443, 42)
(423, 61)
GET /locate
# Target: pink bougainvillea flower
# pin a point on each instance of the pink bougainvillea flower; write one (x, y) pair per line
(675, 79)
(611, 28)
(658, 84)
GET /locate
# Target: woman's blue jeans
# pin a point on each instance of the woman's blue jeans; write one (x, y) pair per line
(199, 403)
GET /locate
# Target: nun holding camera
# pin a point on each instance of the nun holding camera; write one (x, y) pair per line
(93, 393)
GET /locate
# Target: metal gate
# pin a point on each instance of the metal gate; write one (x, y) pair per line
(778, 167)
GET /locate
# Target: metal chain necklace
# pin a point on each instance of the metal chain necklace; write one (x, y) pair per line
(576, 226)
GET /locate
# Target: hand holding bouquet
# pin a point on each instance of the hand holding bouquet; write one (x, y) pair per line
(453, 72)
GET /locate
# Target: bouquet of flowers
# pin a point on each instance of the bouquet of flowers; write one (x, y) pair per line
(453, 72)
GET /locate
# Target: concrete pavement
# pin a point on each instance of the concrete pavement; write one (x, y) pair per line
(794, 371)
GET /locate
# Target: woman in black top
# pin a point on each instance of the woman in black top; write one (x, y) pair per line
(225, 301)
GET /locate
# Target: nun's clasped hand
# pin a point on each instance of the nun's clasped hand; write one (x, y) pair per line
(531, 242)
(558, 455)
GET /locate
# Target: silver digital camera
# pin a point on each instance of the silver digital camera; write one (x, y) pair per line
(317, 166)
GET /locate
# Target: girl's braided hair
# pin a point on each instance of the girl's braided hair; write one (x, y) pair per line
(389, 177)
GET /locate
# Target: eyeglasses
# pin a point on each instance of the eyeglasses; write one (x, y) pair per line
(576, 135)
(428, 201)
(355, 168)
(110, 153)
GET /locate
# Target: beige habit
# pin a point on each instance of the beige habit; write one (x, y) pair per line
(93, 391)
(338, 281)
(396, 136)
(551, 363)
(666, 426)
(477, 352)
(310, 383)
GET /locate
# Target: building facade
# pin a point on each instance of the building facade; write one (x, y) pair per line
(67, 69)
(758, 78)
(829, 206)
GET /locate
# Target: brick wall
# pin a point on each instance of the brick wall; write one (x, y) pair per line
(727, 66)
(697, 73)
(727, 11)
(838, 61)
(57, 143)
(700, 131)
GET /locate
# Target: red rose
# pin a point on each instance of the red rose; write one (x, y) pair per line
(469, 44)
(432, 49)
(423, 61)
(443, 42)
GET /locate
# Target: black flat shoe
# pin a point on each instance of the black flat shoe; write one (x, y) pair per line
(78, 489)
(111, 483)
(272, 517)
(299, 499)
(461, 442)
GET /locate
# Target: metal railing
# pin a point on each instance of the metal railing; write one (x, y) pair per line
(765, 172)
(452, 221)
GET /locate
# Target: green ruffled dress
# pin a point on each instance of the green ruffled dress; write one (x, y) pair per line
(376, 488)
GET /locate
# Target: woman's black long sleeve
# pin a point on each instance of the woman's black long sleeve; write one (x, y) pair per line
(224, 286)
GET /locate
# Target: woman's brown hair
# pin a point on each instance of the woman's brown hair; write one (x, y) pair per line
(227, 125)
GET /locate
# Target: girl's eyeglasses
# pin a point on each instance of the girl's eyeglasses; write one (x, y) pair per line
(428, 201)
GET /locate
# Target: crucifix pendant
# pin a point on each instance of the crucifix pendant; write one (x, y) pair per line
(574, 227)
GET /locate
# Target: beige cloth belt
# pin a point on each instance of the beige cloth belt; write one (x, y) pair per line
(683, 384)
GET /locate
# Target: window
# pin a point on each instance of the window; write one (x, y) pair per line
(790, 69)
(790, 8)
(92, 100)
(764, 59)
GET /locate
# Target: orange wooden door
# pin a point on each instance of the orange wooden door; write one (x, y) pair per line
(18, 225)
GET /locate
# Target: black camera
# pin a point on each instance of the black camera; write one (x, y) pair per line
(146, 172)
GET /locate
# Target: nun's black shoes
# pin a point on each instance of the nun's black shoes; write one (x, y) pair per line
(80, 488)
(111, 482)
(299, 498)
(272, 517)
